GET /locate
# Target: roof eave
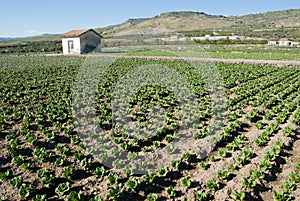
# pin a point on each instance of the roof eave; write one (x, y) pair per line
(76, 36)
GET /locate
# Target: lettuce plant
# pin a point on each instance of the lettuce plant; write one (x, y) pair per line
(222, 153)
(115, 193)
(26, 190)
(75, 139)
(232, 167)
(257, 174)
(259, 125)
(170, 149)
(162, 172)
(288, 186)
(133, 183)
(288, 131)
(175, 164)
(117, 163)
(42, 154)
(59, 161)
(68, 172)
(47, 178)
(201, 196)
(112, 178)
(16, 182)
(75, 196)
(156, 144)
(63, 149)
(150, 177)
(265, 165)
(241, 160)
(62, 188)
(171, 192)
(212, 159)
(213, 185)
(247, 153)
(4, 176)
(31, 138)
(152, 197)
(294, 177)
(203, 165)
(18, 160)
(269, 155)
(279, 195)
(276, 150)
(238, 195)
(99, 171)
(86, 163)
(248, 183)
(186, 182)
(96, 198)
(78, 155)
(39, 198)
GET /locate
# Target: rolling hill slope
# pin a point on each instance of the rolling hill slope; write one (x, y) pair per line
(269, 25)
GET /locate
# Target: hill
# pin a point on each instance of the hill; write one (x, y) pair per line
(276, 24)
(165, 23)
(268, 25)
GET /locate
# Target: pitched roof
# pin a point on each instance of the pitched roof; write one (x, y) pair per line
(284, 39)
(77, 33)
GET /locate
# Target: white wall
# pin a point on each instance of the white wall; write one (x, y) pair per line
(76, 43)
(271, 42)
(87, 42)
(208, 37)
(285, 43)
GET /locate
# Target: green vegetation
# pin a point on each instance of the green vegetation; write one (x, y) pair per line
(41, 142)
(149, 53)
(31, 47)
(238, 195)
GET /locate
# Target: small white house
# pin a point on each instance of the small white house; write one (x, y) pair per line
(174, 37)
(273, 42)
(284, 42)
(214, 38)
(81, 41)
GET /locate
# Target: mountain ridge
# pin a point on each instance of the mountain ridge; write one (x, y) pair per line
(269, 25)
(185, 21)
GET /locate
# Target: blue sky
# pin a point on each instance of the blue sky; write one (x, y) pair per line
(34, 17)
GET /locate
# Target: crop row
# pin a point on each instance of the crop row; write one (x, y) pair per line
(60, 140)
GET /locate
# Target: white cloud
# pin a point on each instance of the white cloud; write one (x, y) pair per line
(34, 32)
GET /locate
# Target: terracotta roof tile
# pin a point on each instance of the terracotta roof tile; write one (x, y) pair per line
(77, 33)
(284, 39)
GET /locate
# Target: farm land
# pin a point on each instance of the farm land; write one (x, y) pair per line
(255, 154)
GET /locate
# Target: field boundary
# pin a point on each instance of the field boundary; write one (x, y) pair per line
(290, 63)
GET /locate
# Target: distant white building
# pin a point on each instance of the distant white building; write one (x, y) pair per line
(175, 37)
(209, 37)
(81, 41)
(273, 42)
(283, 42)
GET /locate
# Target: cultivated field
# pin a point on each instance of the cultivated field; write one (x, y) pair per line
(76, 128)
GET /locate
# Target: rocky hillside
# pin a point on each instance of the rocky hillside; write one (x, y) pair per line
(270, 24)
